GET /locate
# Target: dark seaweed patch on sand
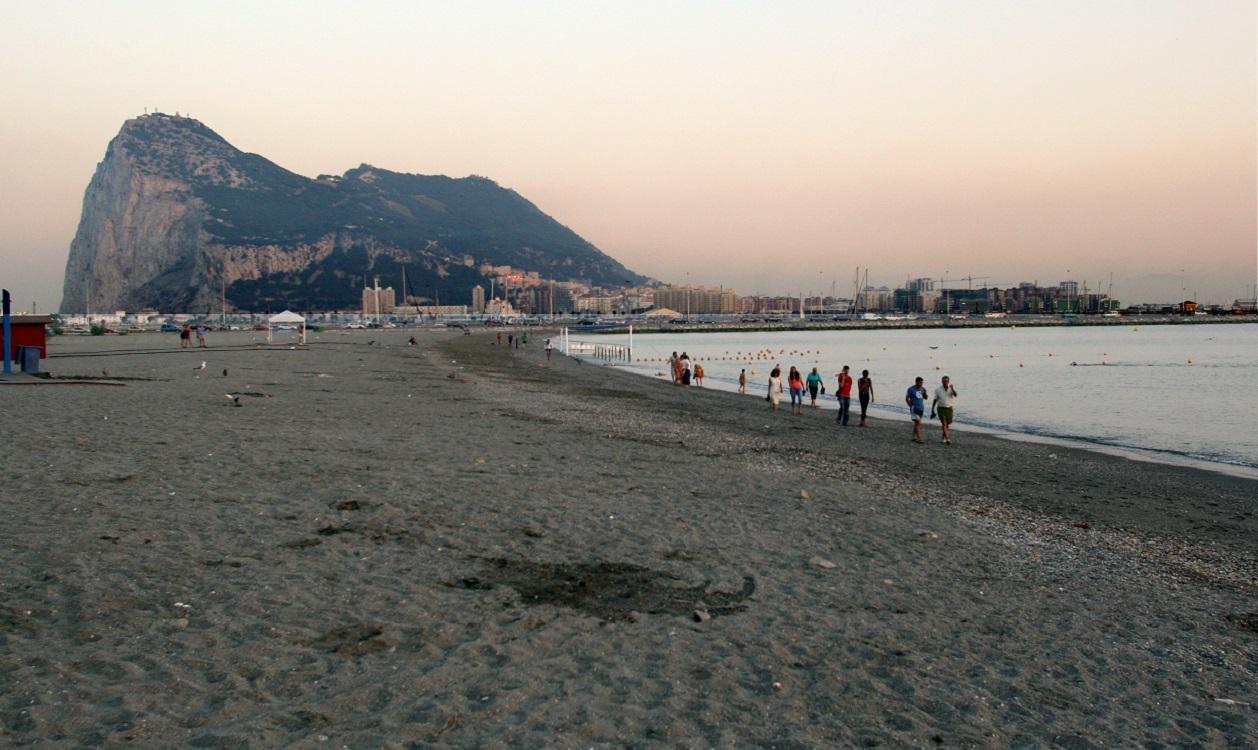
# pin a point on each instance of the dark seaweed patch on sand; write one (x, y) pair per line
(352, 640)
(1245, 621)
(612, 591)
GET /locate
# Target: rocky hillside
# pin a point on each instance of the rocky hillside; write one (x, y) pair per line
(175, 213)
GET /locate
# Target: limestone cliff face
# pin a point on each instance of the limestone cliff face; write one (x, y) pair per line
(176, 218)
(135, 227)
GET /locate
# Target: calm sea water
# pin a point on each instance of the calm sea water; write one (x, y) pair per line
(1185, 392)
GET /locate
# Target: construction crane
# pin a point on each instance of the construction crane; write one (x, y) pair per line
(969, 280)
(969, 285)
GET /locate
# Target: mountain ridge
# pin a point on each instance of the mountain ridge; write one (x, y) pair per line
(175, 216)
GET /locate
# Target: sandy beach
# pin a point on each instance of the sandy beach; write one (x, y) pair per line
(365, 544)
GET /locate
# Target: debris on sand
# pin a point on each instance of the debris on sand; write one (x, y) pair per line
(352, 640)
(454, 722)
(301, 543)
(821, 562)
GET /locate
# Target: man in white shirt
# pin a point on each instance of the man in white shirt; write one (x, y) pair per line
(945, 397)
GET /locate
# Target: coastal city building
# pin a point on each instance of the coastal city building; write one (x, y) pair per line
(697, 300)
(880, 299)
(478, 298)
(499, 307)
(601, 304)
(378, 300)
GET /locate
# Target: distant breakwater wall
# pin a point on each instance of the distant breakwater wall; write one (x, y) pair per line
(875, 325)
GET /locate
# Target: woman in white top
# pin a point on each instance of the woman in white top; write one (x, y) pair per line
(775, 387)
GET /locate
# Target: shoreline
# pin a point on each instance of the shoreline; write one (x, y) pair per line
(458, 545)
(1134, 453)
(1034, 321)
(893, 429)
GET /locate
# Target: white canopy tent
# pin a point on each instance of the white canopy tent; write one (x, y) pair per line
(287, 317)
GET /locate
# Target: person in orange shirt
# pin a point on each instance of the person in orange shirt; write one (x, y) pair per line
(795, 382)
(844, 394)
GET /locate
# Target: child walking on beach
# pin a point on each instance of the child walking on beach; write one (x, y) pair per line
(742, 380)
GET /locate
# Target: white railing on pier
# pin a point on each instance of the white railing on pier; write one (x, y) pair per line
(596, 350)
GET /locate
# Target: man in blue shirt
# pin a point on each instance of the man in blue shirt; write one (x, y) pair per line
(915, 397)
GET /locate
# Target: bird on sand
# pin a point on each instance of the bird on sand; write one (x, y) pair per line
(201, 366)
(233, 398)
(224, 372)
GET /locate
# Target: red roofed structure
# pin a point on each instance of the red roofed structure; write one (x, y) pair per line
(28, 330)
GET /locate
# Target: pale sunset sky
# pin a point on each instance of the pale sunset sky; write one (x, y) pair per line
(768, 147)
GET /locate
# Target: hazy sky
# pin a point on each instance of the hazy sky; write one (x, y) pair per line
(771, 147)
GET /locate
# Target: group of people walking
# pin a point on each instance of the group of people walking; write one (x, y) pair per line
(684, 371)
(941, 407)
(797, 384)
(185, 336)
(513, 341)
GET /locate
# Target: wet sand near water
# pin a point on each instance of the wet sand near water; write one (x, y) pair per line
(454, 544)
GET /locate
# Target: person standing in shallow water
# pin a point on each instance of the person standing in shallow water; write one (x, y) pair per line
(674, 368)
(865, 389)
(742, 380)
(915, 397)
(813, 381)
(775, 388)
(844, 394)
(945, 398)
(686, 371)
